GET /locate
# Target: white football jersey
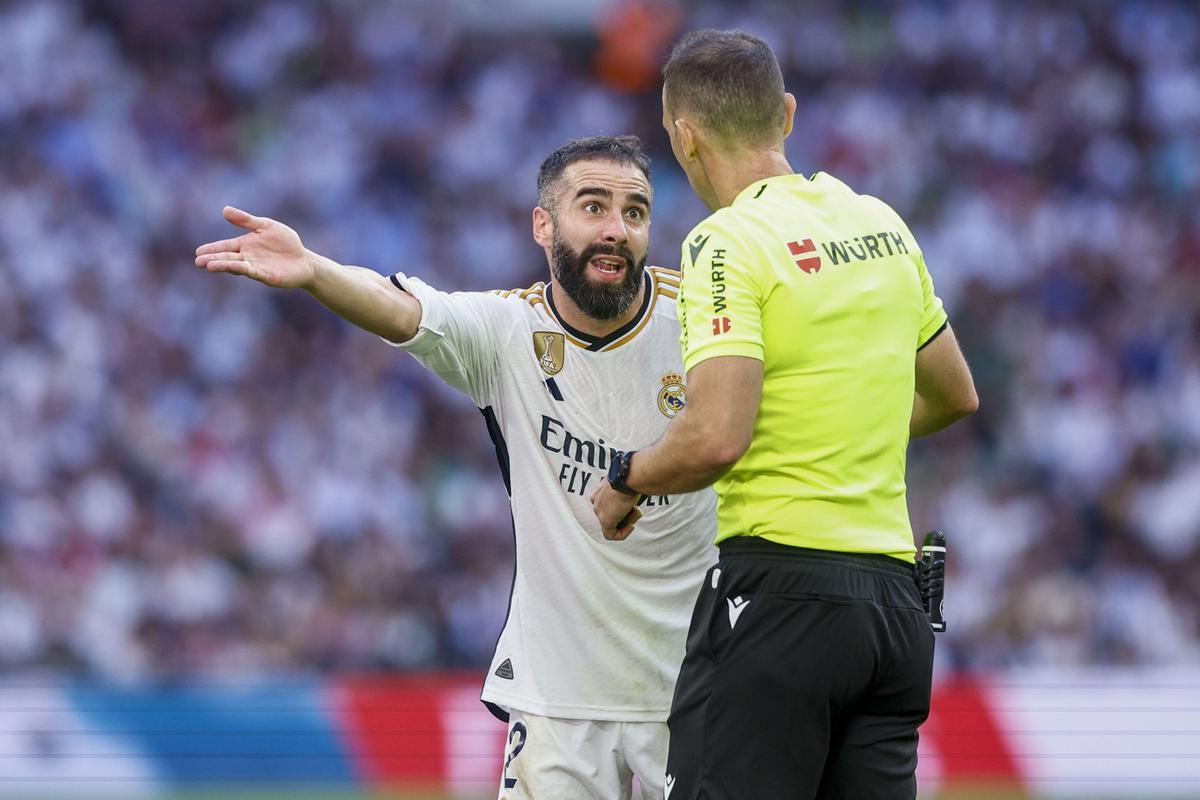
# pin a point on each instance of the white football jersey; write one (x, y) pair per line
(595, 629)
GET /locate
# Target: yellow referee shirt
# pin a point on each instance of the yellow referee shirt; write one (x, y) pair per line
(829, 290)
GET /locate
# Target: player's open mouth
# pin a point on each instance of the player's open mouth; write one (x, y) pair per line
(610, 268)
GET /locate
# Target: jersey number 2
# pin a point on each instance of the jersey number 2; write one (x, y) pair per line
(518, 732)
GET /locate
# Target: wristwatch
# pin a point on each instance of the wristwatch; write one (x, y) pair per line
(618, 472)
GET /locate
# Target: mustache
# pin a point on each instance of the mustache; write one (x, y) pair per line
(602, 249)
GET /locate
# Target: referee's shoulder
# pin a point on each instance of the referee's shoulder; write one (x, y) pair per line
(870, 202)
(722, 219)
(726, 224)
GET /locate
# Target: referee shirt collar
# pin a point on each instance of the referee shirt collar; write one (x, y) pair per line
(758, 188)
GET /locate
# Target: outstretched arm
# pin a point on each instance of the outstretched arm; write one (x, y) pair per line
(272, 254)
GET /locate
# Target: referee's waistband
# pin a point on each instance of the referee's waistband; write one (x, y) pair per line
(755, 547)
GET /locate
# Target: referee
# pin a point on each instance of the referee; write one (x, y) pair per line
(815, 348)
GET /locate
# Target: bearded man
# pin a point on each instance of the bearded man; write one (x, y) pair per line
(567, 374)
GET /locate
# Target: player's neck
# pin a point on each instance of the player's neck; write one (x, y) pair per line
(576, 318)
(730, 173)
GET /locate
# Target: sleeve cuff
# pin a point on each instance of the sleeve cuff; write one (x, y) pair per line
(937, 332)
(430, 329)
(718, 349)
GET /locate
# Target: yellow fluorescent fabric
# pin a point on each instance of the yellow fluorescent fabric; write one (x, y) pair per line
(830, 291)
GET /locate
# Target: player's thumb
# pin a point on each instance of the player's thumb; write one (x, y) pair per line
(243, 219)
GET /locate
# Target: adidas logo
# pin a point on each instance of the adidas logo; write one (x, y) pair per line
(736, 606)
(505, 669)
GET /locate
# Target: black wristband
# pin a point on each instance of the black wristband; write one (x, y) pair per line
(618, 472)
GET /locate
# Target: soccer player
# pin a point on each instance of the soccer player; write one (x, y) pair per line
(566, 373)
(815, 347)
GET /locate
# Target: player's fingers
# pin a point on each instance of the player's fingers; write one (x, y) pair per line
(234, 267)
(223, 255)
(244, 219)
(627, 524)
(223, 246)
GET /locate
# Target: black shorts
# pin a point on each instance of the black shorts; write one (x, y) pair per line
(806, 676)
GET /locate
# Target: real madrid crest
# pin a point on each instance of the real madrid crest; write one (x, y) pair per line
(550, 349)
(673, 394)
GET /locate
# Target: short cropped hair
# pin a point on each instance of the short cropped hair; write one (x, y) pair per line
(622, 149)
(731, 83)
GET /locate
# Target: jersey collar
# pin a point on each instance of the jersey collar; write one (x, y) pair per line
(758, 188)
(594, 343)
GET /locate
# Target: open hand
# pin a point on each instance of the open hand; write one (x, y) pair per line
(271, 253)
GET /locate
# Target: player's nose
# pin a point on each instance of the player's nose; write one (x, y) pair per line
(615, 230)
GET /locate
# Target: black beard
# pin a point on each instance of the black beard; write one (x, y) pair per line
(599, 301)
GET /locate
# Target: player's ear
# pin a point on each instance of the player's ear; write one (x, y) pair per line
(543, 227)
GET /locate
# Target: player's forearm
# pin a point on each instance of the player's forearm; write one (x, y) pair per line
(365, 298)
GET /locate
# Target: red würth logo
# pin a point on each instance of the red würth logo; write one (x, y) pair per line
(721, 325)
(809, 265)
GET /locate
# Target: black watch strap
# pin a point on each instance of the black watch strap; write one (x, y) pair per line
(618, 472)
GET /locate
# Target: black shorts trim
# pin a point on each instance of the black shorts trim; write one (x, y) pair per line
(755, 547)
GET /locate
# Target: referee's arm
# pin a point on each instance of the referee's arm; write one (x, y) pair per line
(710, 434)
(945, 391)
(715, 427)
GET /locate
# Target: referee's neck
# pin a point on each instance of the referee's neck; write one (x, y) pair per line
(730, 173)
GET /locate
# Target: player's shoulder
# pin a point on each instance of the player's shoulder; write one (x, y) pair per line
(530, 297)
(527, 304)
(664, 282)
(664, 300)
(500, 308)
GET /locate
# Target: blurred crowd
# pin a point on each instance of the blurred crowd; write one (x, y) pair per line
(204, 478)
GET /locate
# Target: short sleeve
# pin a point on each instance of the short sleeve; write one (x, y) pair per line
(457, 338)
(720, 298)
(933, 315)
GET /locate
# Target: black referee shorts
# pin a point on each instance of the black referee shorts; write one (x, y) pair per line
(806, 676)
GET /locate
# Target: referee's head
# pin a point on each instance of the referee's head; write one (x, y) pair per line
(723, 94)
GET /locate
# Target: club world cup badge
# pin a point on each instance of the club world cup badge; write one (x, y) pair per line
(672, 395)
(551, 351)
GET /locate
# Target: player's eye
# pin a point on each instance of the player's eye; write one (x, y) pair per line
(592, 208)
(636, 213)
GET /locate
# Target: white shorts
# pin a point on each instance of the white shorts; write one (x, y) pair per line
(547, 758)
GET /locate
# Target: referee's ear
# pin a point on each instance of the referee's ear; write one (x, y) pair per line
(689, 139)
(789, 105)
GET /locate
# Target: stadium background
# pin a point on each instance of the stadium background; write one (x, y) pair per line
(224, 514)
